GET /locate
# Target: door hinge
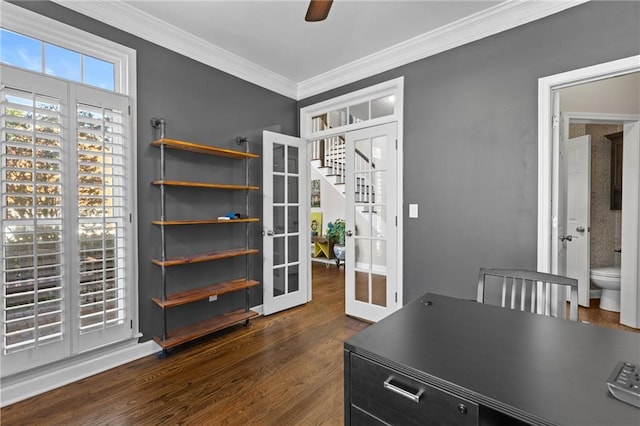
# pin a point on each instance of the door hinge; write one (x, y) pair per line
(396, 144)
(132, 324)
(555, 122)
(396, 220)
(396, 297)
(130, 218)
(129, 108)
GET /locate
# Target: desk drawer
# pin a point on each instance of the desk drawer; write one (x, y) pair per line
(399, 400)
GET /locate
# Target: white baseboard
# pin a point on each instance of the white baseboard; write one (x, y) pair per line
(259, 309)
(25, 385)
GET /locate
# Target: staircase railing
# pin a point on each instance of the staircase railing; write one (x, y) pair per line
(332, 155)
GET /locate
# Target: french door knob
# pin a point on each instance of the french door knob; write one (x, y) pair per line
(349, 233)
(566, 238)
(580, 229)
(270, 233)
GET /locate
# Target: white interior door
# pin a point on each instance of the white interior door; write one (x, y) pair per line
(558, 191)
(559, 238)
(578, 153)
(371, 222)
(285, 189)
(630, 266)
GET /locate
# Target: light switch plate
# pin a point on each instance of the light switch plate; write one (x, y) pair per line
(413, 210)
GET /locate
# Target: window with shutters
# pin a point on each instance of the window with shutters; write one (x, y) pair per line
(68, 239)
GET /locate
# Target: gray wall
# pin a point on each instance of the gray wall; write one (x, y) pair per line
(470, 147)
(470, 141)
(204, 105)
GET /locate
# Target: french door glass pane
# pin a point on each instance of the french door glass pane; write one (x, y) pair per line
(278, 158)
(292, 159)
(293, 249)
(293, 219)
(362, 287)
(379, 290)
(293, 278)
(279, 281)
(278, 219)
(278, 189)
(293, 182)
(278, 251)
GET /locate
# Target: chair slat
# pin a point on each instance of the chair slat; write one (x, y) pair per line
(545, 290)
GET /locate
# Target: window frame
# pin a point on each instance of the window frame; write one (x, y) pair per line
(20, 20)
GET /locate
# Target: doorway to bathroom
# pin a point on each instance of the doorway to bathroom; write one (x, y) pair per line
(592, 101)
(594, 211)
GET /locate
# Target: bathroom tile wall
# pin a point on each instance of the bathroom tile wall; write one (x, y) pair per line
(606, 224)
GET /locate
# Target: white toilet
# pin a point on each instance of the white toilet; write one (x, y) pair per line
(608, 279)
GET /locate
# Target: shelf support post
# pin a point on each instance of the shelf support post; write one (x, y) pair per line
(241, 140)
(160, 123)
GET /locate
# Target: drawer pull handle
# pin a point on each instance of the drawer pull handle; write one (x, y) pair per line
(415, 397)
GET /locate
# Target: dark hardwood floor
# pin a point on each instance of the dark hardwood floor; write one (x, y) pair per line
(594, 315)
(285, 369)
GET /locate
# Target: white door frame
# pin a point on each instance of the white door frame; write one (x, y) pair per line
(546, 221)
(393, 87)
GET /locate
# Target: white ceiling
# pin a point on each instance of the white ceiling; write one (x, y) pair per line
(274, 34)
(267, 42)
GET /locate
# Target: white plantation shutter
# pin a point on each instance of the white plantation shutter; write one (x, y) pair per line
(65, 191)
(32, 225)
(102, 216)
(33, 244)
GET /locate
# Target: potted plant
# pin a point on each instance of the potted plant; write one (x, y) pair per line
(335, 235)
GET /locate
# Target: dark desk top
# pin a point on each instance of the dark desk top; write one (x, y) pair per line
(538, 369)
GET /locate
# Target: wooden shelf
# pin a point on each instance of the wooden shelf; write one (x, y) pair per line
(202, 184)
(202, 149)
(204, 257)
(204, 221)
(202, 328)
(204, 293)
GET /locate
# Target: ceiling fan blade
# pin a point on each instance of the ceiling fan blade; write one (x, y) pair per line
(318, 10)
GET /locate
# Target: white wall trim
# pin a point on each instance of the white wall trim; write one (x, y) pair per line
(31, 383)
(599, 118)
(504, 16)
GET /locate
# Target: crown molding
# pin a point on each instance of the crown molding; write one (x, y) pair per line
(131, 20)
(502, 17)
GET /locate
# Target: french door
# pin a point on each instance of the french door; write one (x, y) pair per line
(66, 261)
(371, 222)
(285, 196)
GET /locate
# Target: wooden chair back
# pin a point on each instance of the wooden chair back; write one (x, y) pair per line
(528, 290)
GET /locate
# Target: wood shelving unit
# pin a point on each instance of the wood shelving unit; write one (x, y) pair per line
(167, 300)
